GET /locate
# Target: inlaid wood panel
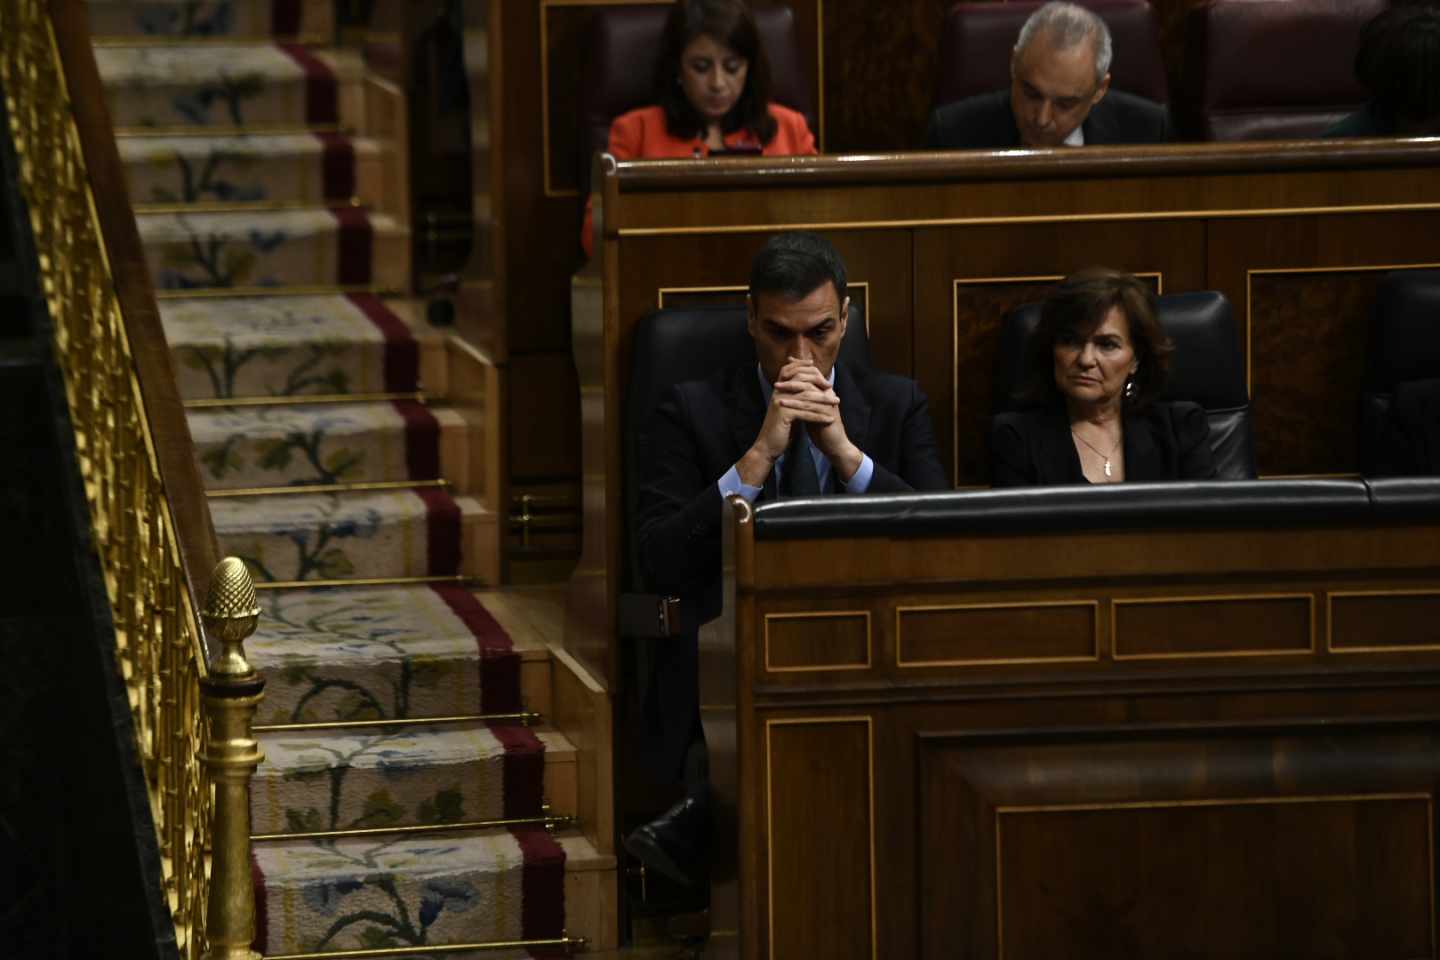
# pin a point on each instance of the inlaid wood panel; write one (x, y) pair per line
(959, 635)
(1306, 842)
(1189, 627)
(1303, 288)
(1384, 620)
(820, 830)
(810, 642)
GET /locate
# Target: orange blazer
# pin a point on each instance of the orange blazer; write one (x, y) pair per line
(641, 135)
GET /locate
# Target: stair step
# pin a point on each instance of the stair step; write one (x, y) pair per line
(399, 777)
(341, 536)
(364, 653)
(240, 84)
(319, 443)
(292, 346)
(362, 892)
(186, 18)
(279, 168)
(275, 248)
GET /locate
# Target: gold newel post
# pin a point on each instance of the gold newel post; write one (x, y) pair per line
(232, 691)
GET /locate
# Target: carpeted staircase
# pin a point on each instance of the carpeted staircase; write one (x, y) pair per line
(314, 395)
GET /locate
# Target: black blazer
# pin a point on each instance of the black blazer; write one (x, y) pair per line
(1165, 441)
(986, 122)
(699, 431)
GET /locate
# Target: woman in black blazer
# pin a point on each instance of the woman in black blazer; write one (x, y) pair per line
(1093, 367)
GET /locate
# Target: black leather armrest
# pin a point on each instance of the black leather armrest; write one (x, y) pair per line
(1042, 509)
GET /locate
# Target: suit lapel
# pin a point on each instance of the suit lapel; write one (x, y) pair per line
(1143, 459)
(1097, 125)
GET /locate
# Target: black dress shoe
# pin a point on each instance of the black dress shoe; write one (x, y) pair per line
(674, 844)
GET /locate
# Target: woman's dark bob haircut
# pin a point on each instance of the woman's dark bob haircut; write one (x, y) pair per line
(731, 23)
(1078, 305)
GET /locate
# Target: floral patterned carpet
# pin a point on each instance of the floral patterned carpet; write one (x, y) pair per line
(243, 138)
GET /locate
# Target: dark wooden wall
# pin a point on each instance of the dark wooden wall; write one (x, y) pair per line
(1206, 743)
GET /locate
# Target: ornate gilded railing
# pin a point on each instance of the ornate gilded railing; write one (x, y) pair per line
(137, 465)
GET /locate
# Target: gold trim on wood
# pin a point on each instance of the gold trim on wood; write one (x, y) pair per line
(1215, 802)
(1042, 218)
(901, 662)
(1330, 596)
(955, 285)
(820, 615)
(772, 722)
(849, 285)
(1250, 274)
(231, 130)
(1118, 602)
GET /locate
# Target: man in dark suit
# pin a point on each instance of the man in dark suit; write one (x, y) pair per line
(1059, 93)
(795, 423)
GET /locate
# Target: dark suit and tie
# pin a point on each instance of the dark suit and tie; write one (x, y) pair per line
(987, 122)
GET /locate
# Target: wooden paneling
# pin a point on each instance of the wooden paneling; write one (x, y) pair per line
(1187, 627)
(819, 790)
(811, 642)
(1302, 844)
(976, 634)
(1396, 620)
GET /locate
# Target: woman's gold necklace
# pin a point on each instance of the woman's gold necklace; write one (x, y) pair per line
(1103, 456)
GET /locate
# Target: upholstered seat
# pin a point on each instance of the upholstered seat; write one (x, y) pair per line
(1271, 69)
(1206, 368)
(976, 40)
(1402, 383)
(618, 72)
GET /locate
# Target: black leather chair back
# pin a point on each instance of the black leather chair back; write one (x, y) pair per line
(618, 71)
(692, 343)
(1404, 355)
(1206, 368)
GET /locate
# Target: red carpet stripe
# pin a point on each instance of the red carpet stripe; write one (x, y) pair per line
(322, 95)
(337, 166)
(355, 245)
(442, 531)
(542, 885)
(524, 771)
(422, 439)
(402, 351)
(499, 663)
(284, 17)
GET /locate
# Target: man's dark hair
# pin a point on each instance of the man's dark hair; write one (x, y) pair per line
(794, 265)
(1078, 305)
(1398, 62)
(731, 23)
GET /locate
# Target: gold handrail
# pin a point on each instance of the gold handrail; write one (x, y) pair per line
(149, 522)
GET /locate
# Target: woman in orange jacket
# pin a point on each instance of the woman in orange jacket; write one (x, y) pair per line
(713, 86)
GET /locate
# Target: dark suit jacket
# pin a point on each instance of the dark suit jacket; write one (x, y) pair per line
(986, 122)
(699, 431)
(1165, 441)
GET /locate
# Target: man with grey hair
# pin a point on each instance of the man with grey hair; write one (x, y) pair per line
(1059, 93)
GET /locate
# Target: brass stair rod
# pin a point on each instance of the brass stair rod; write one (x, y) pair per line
(231, 693)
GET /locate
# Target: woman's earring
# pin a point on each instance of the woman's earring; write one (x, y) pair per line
(1129, 391)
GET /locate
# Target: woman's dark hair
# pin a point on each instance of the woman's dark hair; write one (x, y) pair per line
(1398, 62)
(1078, 305)
(731, 23)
